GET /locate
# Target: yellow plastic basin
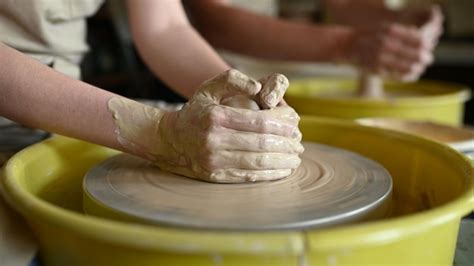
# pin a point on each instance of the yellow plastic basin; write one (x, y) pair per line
(433, 189)
(424, 100)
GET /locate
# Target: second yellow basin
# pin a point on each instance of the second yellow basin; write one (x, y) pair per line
(424, 100)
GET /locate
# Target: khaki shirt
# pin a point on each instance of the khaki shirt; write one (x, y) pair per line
(51, 31)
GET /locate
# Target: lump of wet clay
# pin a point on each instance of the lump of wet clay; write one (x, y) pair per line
(370, 86)
(241, 101)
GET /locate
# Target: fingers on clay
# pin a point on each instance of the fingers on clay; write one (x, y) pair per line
(281, 121)
(406, 53)
(237, 83)
(242, 175)
(230, 83)
(273, 89)
(399, 69)
(252, 160)
(232, 140)
(409, 36)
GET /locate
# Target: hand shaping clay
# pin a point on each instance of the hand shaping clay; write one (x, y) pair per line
(209, 140)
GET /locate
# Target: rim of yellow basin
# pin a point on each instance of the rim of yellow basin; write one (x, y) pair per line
(441, 93)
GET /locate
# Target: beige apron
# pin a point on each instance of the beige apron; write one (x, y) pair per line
(52, 31)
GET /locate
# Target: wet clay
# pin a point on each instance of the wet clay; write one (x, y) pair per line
(370, 86)
(136, 124)
(331, 186)
(273, 88)
(241, 101)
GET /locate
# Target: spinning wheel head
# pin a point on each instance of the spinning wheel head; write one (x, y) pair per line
(331, 186)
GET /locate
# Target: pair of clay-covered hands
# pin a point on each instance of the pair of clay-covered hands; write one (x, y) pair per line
(401, 49)
(234, 129)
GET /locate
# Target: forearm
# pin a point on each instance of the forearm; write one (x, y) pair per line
(36, 96)
(256, 35)
(171, 47)
(181, 58)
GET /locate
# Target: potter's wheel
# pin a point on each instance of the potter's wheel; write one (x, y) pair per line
(331, 186)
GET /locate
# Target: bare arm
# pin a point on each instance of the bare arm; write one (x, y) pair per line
(37, 96)
(393, 49)
(171, 47)
(256, 35)
(183, 142)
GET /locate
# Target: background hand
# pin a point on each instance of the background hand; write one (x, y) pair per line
(394, 50)
(400, 50)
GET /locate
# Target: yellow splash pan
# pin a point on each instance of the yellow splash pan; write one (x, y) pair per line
(433, 189)
(424, 100)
